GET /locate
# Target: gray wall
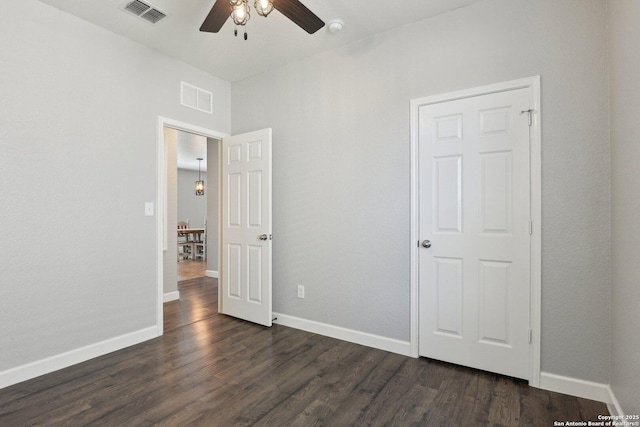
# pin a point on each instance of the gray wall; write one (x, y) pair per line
(341, 160)
(624, 55)
(78, 139)
(190, 206)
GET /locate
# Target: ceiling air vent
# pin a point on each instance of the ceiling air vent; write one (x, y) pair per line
(145, 11)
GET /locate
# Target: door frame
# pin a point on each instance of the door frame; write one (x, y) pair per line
(162, 231)
(535, 159)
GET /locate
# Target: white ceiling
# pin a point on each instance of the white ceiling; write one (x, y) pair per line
(273, 41)
(190, 147)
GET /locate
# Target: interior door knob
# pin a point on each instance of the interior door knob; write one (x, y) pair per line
(263, 237)
(426, 244)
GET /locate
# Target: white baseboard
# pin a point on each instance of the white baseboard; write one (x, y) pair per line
(211, 273)
(576, 387)
(63, 360)
(171, 296)
(357, 337)
(613, 405)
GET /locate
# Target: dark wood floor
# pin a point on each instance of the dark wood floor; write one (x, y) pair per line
(213, 370)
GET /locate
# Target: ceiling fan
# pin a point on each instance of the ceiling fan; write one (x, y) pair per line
(239, 12)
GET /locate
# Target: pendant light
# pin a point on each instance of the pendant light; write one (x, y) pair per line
(199, 182)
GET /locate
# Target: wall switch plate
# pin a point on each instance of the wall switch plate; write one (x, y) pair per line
(300, 291)
(148, 209)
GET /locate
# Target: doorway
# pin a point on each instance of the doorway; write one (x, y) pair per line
(193, 192)
(476, 228)
(244, 225)
(166, 220)
(195, 215)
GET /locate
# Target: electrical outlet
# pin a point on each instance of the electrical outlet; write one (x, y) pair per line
(300, 291)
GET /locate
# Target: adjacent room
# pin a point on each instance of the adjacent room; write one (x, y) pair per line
(191, 193)
(283, 212)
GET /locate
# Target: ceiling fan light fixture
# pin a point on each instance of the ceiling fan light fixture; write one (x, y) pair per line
(239, 12)
(263, 7)
(294, 10)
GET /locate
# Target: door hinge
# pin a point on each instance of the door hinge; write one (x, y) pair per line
(530, 227)
(418, 243)
(530, 336)
(530, 112)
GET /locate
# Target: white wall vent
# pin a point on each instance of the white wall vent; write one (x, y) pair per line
(196, 98)
(145, 11)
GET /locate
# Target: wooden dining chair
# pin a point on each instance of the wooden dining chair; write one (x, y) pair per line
(200, 244)
(185, 244)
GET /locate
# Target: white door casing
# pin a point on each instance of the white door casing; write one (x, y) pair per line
(474, 207)
(245, 244)
(164, 230)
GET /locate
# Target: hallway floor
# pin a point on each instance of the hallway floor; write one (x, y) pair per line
(188, 269)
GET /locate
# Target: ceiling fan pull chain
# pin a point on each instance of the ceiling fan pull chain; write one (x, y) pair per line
(235, 31)
(245, 35)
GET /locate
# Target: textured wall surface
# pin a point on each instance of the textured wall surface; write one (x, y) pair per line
(624, 55)
(79, 111)
(341, 158)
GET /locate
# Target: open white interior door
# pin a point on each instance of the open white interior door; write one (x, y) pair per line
(245, 273)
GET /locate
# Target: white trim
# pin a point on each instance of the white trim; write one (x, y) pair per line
(357, 337)
(535, 171)
(613, 405)
(533, 84)
(161, 211)
(576, 387)
(66, 359)
(220, 235)
(414, 309)
(171, 296)
(211, 273)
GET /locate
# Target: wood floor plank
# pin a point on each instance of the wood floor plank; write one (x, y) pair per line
(391, 398)
(350, 373)
(323, 383)
(213, 370)
(353, 408)
(505, 405)
(191, 269)
(480, 390)
(415, 404)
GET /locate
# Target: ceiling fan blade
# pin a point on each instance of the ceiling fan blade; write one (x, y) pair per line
(216, 18)
(299, 14)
